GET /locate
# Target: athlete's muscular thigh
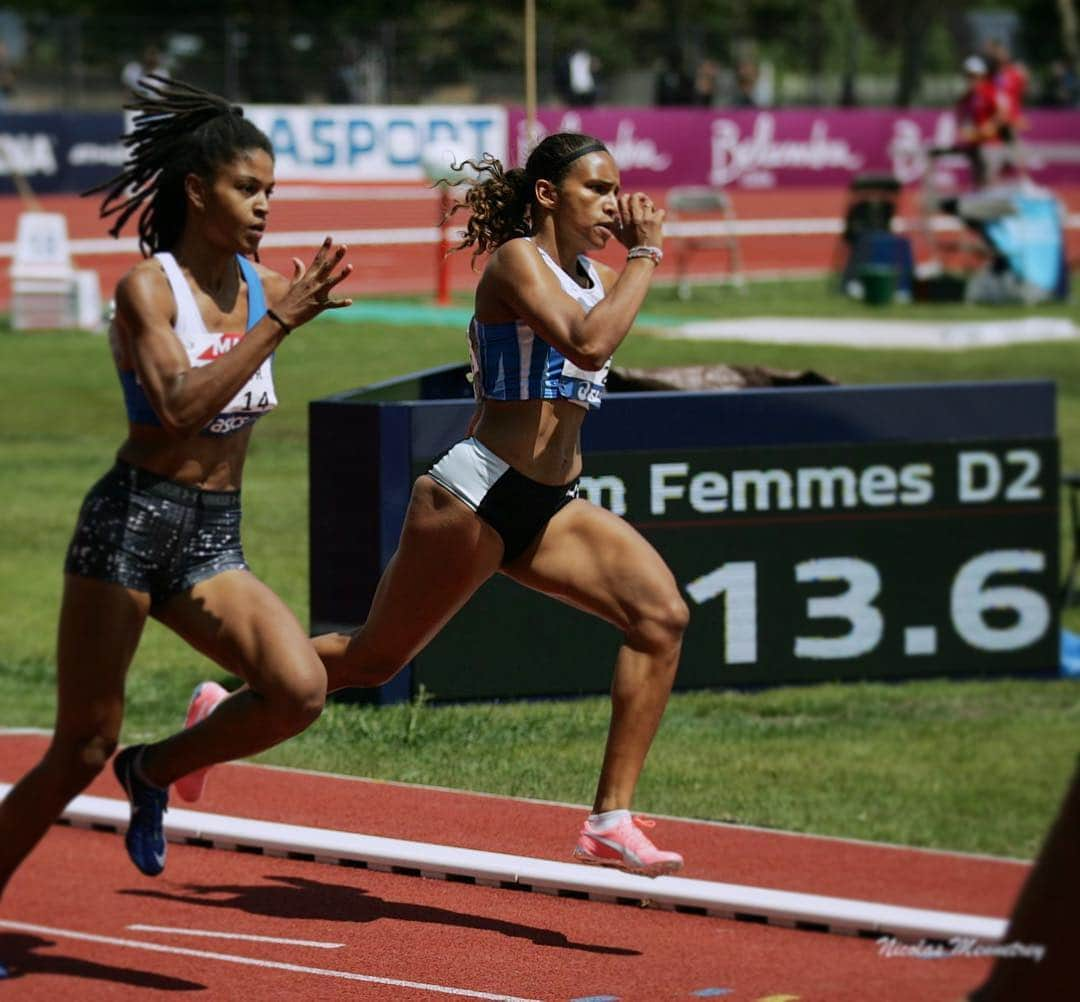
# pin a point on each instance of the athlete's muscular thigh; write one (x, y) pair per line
(594, 560)
(445, 553)
(240, 623)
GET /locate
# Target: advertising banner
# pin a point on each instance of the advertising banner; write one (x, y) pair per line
(752, 148)
(59, 152)
(360, 143)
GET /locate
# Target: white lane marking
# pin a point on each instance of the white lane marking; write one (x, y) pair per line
(379, 853)
(251, 962)
(211, 934)
(290, 192)
(430, 234)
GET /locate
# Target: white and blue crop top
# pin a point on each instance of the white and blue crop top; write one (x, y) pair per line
(256, 396)
(511, 362)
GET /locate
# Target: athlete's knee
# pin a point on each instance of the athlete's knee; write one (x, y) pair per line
(661, 620)
(298, 701)
(83, 755)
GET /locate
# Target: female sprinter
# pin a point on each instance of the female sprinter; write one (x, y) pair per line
(159, 534)
(547, 320)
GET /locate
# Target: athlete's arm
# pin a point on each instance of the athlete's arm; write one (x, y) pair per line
(528, 289)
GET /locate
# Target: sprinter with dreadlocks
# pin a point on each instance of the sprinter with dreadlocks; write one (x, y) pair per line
(159, 535)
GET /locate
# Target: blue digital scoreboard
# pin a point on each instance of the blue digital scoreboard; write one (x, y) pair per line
(816, 534)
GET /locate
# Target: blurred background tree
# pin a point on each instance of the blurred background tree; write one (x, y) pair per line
(847, 52)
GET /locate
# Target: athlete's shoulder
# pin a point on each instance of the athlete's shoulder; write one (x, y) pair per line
(143, 281)
(274, 283)
(516, 252)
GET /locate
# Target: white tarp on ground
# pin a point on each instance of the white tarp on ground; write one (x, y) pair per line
(866, 333)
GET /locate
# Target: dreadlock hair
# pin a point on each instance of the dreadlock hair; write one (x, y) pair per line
(501, 204)
(179, 130)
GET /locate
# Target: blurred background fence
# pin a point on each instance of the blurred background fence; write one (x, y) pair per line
(74, 55)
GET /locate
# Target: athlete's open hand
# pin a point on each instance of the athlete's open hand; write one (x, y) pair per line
(309, 291)
(640, 221)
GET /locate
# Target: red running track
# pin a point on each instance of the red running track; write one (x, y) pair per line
(400, 937)
(384, 269)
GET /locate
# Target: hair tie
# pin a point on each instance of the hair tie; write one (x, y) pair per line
(593, 147)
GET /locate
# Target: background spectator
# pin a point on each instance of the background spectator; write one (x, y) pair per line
(134, 71)
(1010, 77)
(7, 74)
(746, 78)
(1061, 89)
(980, 117)
(673, 86)
(706, 79)
(578, 77)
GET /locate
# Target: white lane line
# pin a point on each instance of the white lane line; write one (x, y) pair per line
(290, 192)
(599, 883)
(808, 836)
(230, 958)
(211, 934)
(94, 246)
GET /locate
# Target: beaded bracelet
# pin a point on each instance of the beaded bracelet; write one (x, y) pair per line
(654, 254)
(277, 320)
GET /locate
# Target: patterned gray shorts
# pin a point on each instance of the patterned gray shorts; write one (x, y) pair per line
(154, 535)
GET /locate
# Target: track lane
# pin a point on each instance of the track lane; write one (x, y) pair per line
(448, 934)
(401, 929)
(412, 268)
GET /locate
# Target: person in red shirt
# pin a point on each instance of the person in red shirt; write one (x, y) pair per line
(1011, 80)
(980, 115)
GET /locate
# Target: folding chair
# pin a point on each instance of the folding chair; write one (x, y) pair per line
(712, 226)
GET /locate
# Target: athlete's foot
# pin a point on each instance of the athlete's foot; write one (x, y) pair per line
(145, 838)
(206, 696)
(625, 846)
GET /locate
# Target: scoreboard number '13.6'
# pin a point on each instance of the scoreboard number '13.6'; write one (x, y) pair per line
(985, 612)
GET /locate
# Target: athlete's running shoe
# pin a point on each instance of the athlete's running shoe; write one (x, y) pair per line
(627, 847)
(145, 838)
(206, 696)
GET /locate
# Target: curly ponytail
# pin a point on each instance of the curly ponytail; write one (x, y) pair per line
(501, 204)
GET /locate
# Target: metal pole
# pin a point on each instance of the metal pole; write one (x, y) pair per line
(442, 249)
(530, 72)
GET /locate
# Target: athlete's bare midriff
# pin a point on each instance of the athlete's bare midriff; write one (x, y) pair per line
(539, 438)
(210, 462)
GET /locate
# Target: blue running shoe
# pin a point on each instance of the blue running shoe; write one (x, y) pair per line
(3, 972)
(145, 839)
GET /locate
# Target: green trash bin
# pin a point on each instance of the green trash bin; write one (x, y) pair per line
(879, 284)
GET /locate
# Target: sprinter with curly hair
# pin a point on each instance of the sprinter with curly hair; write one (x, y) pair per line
(547, 320)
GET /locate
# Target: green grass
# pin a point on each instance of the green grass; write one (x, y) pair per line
(978, 766)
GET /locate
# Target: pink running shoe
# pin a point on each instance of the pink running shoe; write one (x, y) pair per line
(627, 847)
(206, 696)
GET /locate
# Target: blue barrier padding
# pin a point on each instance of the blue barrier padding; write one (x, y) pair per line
(1070, 654)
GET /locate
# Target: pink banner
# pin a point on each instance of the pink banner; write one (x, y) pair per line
(774, 148)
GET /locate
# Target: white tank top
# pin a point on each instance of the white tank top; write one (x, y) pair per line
(256, 396)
